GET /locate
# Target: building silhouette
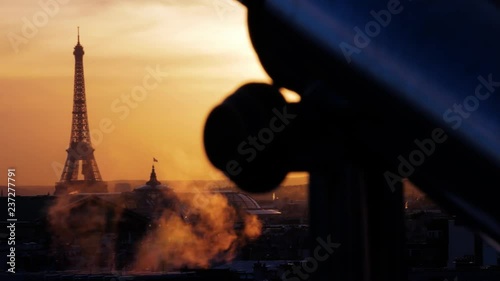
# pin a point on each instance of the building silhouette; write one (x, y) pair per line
(80, 173)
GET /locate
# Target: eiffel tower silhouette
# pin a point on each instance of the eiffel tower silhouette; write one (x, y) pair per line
(80, 173)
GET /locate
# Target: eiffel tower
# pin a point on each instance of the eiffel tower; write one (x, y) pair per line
(80, 173)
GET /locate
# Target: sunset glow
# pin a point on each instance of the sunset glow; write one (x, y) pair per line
(199, 49)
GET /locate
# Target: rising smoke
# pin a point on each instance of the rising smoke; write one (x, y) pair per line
(202, 235)
(202, 230)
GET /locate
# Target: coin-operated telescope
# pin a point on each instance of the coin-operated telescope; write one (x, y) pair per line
(390, 91)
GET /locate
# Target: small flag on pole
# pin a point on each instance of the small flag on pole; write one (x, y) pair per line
(154, 160)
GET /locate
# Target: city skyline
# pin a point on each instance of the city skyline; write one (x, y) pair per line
(195, 53)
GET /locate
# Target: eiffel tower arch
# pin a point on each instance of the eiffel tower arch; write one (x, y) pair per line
(80, 173)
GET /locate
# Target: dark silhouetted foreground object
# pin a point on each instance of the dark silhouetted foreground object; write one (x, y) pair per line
(389, 90)
(246, 134)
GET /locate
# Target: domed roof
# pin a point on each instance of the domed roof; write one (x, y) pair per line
(241, 200)
(151, 188)
(153, 184)
(246, 202)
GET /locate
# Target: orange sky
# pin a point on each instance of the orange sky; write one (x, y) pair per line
(200, 46)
